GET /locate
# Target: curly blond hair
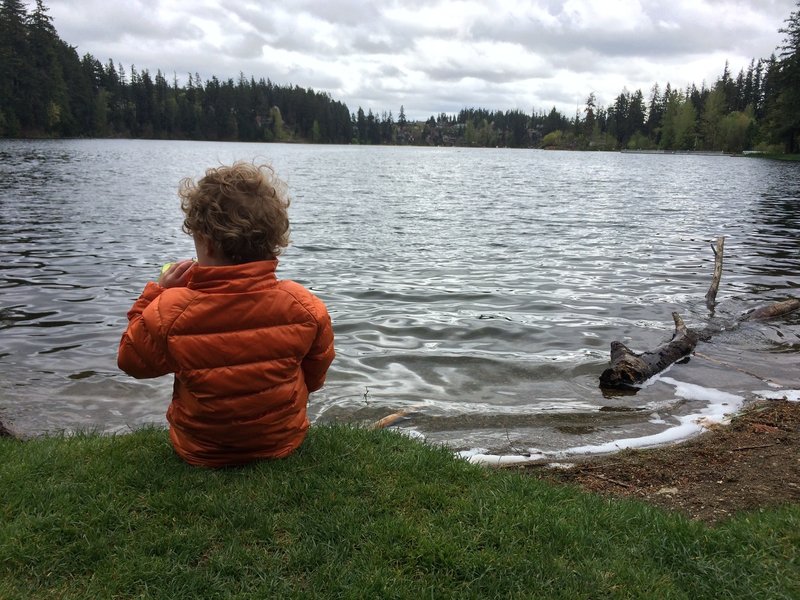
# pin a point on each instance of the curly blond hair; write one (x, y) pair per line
(241, 208)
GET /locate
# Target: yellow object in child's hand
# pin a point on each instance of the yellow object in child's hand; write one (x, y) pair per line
(166, 267)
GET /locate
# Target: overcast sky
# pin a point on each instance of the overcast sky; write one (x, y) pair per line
(434, 56)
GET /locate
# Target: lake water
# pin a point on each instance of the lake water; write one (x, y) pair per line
(477, 289)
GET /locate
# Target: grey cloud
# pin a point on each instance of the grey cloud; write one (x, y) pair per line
(361, 43)
(553, 94)
(314, 79)
(259, 18)
(666, 32)
(246, 46)
(102, 21)
(351, 13)
(346, 44)
(389, 71)
(349, 40)
(367, 45)
(452, 71)
(293, 40)
(652, 42)
(363, 28)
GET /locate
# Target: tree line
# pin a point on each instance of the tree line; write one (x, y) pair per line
(47, 90)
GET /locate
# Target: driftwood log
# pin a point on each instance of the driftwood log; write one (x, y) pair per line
(772, 310)
(628, 368)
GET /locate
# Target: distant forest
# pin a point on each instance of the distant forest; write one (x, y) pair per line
(47, 90)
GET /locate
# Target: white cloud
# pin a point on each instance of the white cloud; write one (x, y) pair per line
(434, 56)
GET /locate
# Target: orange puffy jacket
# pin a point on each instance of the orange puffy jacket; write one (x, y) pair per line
(246, 350)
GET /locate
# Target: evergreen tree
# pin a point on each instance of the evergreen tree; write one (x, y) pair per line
(636, 114)
(655, 113)
(15, 70)
(516, 129)
(784, 120)
(758, 89)
(361, 126)
(728, 88)
(739, 95)
(554, 121)
(748, 93)
(618, 115)
(588, 124)
(373, 129)
(46, 87)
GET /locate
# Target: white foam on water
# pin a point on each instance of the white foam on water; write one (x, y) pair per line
(691, 391)
(720, 406)
(411, 432)
(479, 456)
(789, 395)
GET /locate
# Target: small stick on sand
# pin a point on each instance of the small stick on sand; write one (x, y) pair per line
(753, 447)
(621, 483)
(388, 420)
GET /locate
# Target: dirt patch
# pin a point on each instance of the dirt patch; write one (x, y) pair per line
(752, 463)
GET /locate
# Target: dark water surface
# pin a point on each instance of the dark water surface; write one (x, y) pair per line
(477, 289)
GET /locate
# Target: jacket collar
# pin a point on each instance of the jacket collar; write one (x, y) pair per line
(234, 278)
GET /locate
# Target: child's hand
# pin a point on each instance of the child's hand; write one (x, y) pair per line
(177, 275)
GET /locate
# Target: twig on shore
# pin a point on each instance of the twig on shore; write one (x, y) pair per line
(520, 451)
(617, 482)
(388, 420)
(602, 466)
(751, 447)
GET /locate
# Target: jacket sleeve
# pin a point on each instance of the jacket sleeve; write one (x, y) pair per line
(142, 349)
(320, 356)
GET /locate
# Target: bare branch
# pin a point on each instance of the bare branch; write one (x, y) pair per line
(711, 294)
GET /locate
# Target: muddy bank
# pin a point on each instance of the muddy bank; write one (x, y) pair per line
(752, 463)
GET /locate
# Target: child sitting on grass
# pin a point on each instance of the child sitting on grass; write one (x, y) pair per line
(246, 349)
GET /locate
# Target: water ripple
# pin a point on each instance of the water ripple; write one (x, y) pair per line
(477, 290)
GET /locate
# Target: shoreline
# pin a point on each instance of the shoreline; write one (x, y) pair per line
(719, 413)
(693, 425)
(749, 464)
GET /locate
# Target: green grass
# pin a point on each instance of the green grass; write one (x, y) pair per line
(353, 514)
